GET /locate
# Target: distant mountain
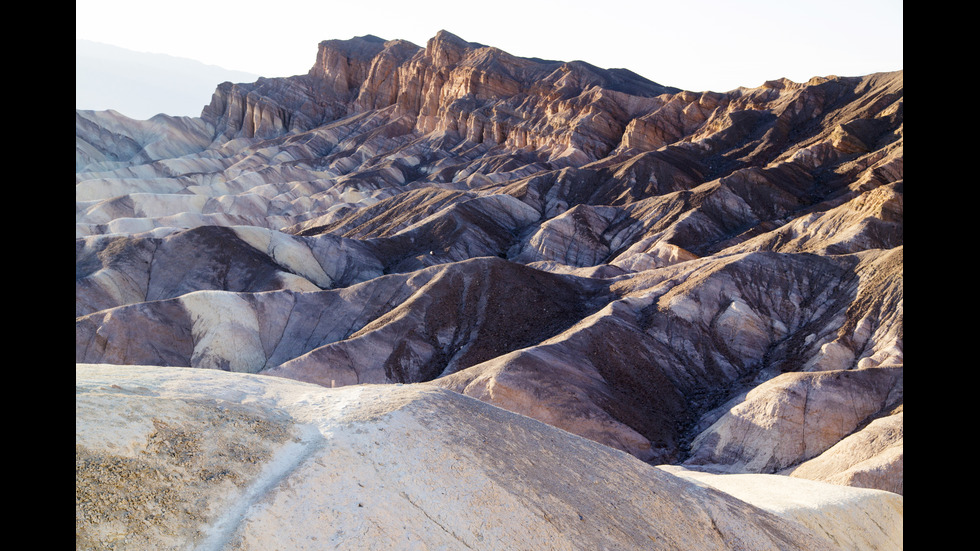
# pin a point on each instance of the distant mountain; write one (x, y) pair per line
(141, 85)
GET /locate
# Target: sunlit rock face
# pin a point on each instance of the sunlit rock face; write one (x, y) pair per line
(707, 279)
(177, 458)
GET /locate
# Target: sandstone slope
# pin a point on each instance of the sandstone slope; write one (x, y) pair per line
(713, 279)
(178, 458)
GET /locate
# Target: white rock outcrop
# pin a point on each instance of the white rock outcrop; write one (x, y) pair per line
(178, 458)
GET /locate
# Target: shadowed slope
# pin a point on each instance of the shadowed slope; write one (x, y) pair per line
(397, 328)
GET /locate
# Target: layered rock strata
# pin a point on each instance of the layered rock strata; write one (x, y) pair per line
(713, 279)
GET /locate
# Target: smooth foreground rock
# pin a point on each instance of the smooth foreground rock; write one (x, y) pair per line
(850, 518)
(178, 458)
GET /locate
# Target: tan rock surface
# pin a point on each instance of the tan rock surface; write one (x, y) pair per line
(851, 518)
(618, 258)
(794, 417)
(872, 457)
(175, 458)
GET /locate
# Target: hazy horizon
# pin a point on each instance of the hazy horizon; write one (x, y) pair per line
(698, 45)
(141, 85)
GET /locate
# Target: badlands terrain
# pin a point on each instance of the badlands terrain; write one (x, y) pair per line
(442, 297)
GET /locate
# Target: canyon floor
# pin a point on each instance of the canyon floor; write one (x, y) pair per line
(444, 297)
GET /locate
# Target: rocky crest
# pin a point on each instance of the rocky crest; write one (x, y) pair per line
(707, 279)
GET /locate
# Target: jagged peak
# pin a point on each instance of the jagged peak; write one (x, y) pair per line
(370, 38)
(355, 40)
(446, 48)
(446, 37)
(780, 84)
(357, 44)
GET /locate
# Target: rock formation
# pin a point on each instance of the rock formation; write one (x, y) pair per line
(711, 280)
(175, 458)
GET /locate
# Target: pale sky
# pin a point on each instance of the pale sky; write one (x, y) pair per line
(690, 44)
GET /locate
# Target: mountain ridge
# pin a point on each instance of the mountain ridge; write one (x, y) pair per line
(660, 271)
